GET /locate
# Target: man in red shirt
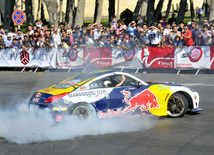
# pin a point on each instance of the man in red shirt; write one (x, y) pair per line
(187, 35)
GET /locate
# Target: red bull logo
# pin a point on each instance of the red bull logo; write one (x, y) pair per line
(145, 100)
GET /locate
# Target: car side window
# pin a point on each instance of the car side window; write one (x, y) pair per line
(96, 84)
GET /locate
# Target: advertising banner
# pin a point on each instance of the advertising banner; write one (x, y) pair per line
(20, 58)
(193, 57)
(154, 57)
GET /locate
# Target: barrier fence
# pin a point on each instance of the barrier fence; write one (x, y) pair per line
(193, 57)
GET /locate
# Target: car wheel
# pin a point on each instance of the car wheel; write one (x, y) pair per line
(177, 105)
(83, 111)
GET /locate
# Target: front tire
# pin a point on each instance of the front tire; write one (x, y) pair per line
(83, 111)
(177, 105)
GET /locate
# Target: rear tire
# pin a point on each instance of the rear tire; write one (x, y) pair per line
(83, 111)
(177, 105)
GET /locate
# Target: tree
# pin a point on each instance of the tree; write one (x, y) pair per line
(150, 12)
(158, 9)
(39, 9)
(52, 8)
(207, 8)
(8, 13)
(182, 10)
(137, 9)
(143, 11)
(29, 12)
(192, 9)
(98, 11)
(168, 9)
(80, 13)
(111, 10)
(211, 15)
(69, 12)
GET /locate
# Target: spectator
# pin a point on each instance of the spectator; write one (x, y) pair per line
(114, 23)
(5, 35)
(173, 34)
(117, 42)
(15, 44)
(172, 19)
(75, 42)
(125, 44)
(162, 21)
(69, 28)
(47, 43)
(9, 41)
(30, 29)
(56, 38)
(181, 27)
(166, 32)
(20, 36)
(197, 33)
(154, 37)
(32, 41)
(88, 41)
(199, 13)
(2, 46)
(77, 33)
(25, 43)
(132, 42)
(81, 43)
(64, 45)
(39, 42)
(39, 23)
(187, 35)
(206, 36)
(131, 29)
(103, 36)
(97, 33)
(112, 40)
(99, 43)
(107, 42)
(178, 42)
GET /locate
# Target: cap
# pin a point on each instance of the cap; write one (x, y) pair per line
(189, 23)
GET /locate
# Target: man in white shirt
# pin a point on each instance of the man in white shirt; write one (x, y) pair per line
(153, 33)
(56, 38)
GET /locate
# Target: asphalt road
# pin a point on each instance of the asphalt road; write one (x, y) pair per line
(192, 134)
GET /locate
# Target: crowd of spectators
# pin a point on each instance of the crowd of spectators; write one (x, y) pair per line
(116, 35)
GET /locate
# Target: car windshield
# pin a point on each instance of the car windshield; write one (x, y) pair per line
(73, 81)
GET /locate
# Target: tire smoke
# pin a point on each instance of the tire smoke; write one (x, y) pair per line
(21, 126)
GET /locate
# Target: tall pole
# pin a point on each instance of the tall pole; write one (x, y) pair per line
(118, 8)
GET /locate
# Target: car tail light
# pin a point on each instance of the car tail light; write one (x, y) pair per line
(55, 97)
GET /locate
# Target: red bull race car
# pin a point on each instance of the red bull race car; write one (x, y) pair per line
(107, 94)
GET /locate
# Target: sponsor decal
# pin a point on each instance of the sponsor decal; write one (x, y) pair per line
(87, 93)
(72, 82)
(145, 100)
(38, 94)
(72, 54)
(164, 87)
(129, 54)
(109, 113)
(35, 99)
(24, 57)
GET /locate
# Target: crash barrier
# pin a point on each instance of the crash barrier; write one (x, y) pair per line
(193, 57)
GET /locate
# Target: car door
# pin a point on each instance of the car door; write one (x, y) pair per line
(116, 96)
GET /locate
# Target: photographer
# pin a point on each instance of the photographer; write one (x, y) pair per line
(206, 36)
(47, 43)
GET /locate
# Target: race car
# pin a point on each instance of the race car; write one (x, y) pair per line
(108, 93)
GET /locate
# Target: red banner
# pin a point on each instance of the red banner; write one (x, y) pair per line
(154, 57)
(212, 57)
(100, 57)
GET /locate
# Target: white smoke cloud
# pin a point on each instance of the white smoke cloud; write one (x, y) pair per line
(21, 127)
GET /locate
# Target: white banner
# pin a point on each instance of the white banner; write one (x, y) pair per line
(72, 58)
(192, 57)
(20, 58)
